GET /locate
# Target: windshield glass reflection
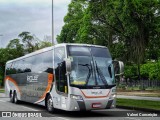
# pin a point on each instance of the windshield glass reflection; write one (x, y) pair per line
(91, 66)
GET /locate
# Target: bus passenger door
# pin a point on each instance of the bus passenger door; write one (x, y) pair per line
(61, 86)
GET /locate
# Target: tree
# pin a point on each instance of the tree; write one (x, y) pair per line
(72, 20)
(30, 41)
(15, 44)
(44, 44)
(129, 27)
(16, 49)
(131, 21)
(6, 54)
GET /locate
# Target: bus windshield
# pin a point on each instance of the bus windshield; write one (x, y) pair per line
(91, 66)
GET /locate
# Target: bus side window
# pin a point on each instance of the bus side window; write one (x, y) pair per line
(37, 63)
(20, 66)
(48, 62)
(8, 68)
(13, 68)
(60, 69)
(28, 64)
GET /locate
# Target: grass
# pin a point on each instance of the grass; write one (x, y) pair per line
(1, 90)
(139, 103)
(151, 88)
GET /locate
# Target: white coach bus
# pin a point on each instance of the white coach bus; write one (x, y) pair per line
(71, 77)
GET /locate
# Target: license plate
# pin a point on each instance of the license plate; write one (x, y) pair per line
(96, 105)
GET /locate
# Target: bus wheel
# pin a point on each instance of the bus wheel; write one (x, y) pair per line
(15, 97)
(11, 97)
(49, 104)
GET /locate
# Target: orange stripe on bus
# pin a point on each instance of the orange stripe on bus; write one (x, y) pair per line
(95, 96)
(50, 79)
(13, 81)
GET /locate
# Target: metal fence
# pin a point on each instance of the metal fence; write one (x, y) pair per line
(138, 83)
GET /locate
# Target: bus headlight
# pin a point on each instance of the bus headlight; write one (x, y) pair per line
(76, 97)
(112, 96)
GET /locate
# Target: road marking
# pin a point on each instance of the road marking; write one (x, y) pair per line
(63, 118)
(30, 108)
(2, 101)
(133, 118)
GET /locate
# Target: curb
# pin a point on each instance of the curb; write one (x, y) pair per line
(137, 108)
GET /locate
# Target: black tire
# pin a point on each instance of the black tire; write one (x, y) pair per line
(15, 99)
(49, 104)
(11, 97)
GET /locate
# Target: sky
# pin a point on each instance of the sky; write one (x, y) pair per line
(34, 16)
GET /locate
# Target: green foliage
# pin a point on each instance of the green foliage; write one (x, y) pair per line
(122, 86)
(139, 103)
(1, 79)
(5, 55)
(73, 20)
(130, 71)
(30, 42)
(130, 20)
(151, 70)
(129, 28)
(18, 47)
(141, 87)
(102, 22)
(2, 91)
(44, 44)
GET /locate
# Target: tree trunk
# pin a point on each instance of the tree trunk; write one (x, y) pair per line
(139, 72)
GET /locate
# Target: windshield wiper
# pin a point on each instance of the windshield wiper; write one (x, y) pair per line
(110, 71)
(101, 74)
(89, 73)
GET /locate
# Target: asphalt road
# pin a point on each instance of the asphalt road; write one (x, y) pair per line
(6, 105)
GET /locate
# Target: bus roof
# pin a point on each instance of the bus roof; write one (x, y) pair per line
(31, 54)
(78, 44)
(50, 48)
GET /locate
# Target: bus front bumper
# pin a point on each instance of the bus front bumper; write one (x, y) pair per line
(92, 104)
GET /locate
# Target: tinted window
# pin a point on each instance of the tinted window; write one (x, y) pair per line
(37, 63)
(12, 68)
(20, 66)
(78, 51)
(100, 52)
(28, 64)
(48, 62)
(15, 65)
(8, 68)
(60, 69)
(59, 56)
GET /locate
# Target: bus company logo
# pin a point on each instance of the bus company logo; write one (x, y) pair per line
(96, 92)
(32, 78)
(6, 114)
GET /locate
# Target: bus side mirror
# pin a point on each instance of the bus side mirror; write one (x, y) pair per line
(68, 65)
(118, 68)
